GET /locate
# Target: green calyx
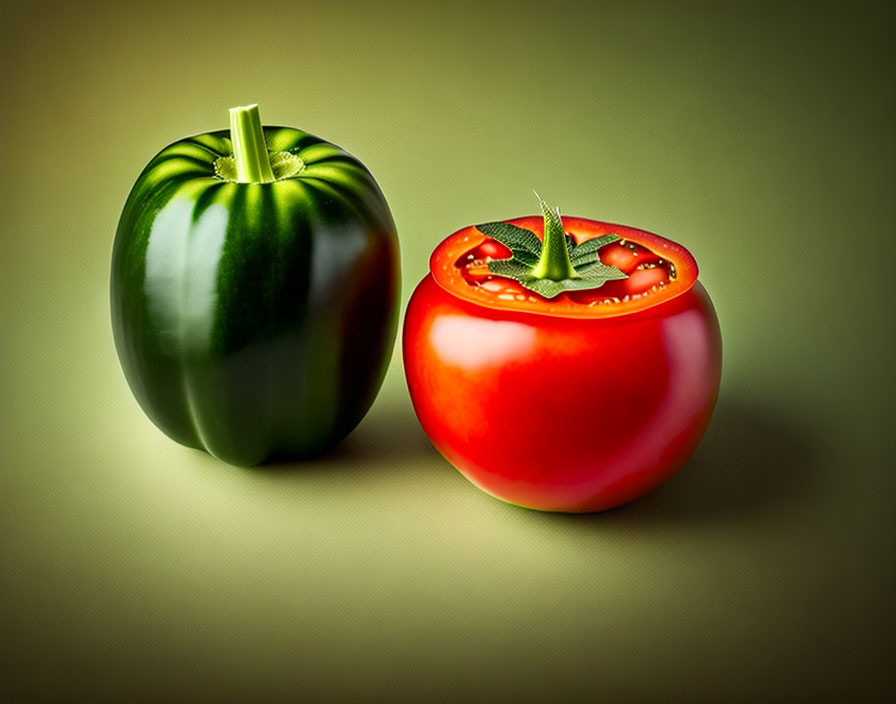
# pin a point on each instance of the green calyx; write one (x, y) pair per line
(554, 265)
(283, 165)
(554, 261)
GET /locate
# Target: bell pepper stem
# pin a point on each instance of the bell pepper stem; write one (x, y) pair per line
(253, 165)
(554, 261)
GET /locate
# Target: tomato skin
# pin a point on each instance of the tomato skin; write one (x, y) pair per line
(562, 414)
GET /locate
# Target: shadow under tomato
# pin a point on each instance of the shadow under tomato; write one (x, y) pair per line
(751, 460)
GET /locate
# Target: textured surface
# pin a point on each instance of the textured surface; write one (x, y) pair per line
(759, 136)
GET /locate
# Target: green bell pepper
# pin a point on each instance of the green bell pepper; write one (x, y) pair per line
(254, 291)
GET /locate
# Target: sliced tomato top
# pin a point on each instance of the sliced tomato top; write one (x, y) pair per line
(658, 270)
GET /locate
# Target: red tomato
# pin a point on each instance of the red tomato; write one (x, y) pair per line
(577, 403)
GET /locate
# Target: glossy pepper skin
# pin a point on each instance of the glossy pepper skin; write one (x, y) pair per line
(255, 320)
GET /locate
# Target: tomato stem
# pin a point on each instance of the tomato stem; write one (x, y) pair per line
(554, 261)
(253, 164)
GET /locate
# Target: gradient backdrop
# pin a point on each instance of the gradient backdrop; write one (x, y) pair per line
(760, 135)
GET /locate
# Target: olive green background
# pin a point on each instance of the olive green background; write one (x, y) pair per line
(760, 135)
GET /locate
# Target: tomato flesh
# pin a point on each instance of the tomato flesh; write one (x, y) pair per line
(658, 270)
(628, 256)
(647, 273)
